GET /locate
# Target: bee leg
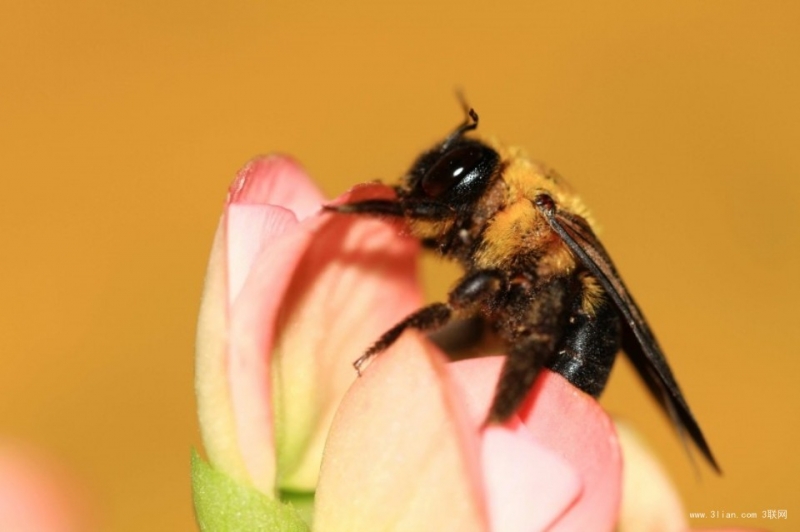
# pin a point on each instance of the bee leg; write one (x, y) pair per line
(473, 289)
(525, 360)
(421, 209)
(533, 329)
(375, 207)
(476, 288)
(427, 318)
(425, 209)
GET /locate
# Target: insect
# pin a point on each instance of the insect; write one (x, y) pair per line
(535, 273)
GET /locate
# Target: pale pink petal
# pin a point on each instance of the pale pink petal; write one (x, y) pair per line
(36, 495)
(276, 180)
(303, 301)
(356, 280)
(231, 372)
(214, 408)
(265, 248)
(266, 199)
(234, 411)
(400, 454)
(572, 424)
(527, 486)
(252, 334)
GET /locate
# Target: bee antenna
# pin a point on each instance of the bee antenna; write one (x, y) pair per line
(470, 122)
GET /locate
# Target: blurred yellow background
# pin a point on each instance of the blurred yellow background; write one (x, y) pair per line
(122, 123)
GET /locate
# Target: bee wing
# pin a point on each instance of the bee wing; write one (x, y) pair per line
(638, 340)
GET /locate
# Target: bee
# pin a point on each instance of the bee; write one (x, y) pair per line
(535, 273)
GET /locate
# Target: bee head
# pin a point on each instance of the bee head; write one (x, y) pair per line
(455, 172)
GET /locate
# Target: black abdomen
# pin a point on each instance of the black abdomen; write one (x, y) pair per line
(589, 347)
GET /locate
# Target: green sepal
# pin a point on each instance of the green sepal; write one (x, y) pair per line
(222, 504)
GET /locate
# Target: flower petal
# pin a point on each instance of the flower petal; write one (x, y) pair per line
(267, 196)
(302, 301)
(572, 424)
(400, 454)
(37, 494)
(214, 408)
(232, 379)
(276, 180)
(527, 485)
(252, 334)
(355, 281)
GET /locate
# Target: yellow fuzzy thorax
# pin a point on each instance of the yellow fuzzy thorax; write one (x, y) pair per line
(519, 225)
(527, 178)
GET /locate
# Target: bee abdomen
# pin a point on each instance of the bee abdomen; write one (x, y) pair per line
(589, 348)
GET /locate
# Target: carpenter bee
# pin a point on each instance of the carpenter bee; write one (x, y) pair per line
(536, 274)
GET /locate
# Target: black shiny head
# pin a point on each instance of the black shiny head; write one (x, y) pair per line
(455, 172)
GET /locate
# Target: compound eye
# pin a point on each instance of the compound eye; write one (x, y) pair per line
(462, 167)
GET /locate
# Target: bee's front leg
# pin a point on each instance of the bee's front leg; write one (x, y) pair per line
(474, 289)
(417, 209)
(425, 319)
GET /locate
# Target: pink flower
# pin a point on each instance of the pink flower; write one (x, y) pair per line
(36, 494)
(292, 298)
